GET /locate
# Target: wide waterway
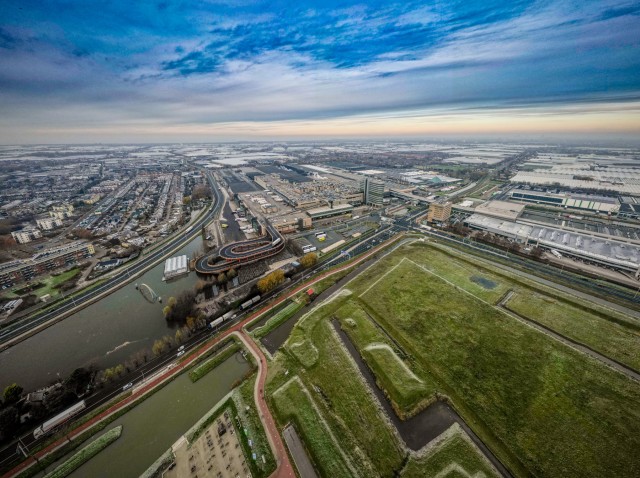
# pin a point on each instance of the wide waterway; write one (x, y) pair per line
(105, 333)
(153, 426)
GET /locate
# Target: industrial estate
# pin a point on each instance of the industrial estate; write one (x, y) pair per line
(354, 309)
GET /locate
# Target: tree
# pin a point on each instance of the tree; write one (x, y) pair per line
(271, 281)
(179, 336)
(158, 347)
(191, 323)
(78, 380)
(82, 233)
(7, 242)
(12, 393)
(231, 273)
(166, 310)
(172, 301)
(119, 369)
(537, 252)
(222, 278)
(9, 422)
(309, 260)
(201, 191)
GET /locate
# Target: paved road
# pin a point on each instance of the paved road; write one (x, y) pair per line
(300, 457)
(284, 468)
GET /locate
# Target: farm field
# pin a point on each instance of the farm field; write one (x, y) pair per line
(428, 326)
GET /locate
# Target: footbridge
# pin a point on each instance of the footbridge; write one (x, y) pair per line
(242, 253)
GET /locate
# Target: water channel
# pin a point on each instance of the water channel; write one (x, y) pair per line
(153, 426)
(105, 333)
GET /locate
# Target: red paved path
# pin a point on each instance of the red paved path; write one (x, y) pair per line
(284, 465)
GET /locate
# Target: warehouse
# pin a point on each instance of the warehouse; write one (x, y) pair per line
(586, 202)
(603, 251)
(175, 266)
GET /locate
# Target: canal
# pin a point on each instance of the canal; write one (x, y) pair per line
(153, 426)
(105, 333)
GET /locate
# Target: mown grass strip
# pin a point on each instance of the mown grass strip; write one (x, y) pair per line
(282, 316)
(204, 368)
(84, 455)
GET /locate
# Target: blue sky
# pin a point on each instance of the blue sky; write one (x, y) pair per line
(182, 70)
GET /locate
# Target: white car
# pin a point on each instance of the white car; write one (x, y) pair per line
(180, 354)
(181, 348)
(127, 386)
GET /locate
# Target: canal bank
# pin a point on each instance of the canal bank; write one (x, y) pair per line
(104, 333)
(156, 423)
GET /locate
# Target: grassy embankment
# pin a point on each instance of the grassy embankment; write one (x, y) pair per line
(522, 392)
(84, 455)
(206, 364)
(279, 318)
(456, 454)
(506, 378)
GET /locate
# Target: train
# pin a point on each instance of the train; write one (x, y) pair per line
(232, 313)
(249, 303)
(58, 420)
(223, 318)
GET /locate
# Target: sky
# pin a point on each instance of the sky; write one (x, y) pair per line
(164, 71)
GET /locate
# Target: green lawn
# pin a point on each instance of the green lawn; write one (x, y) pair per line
(84, 455)
(335, 385)
(605, 330)
(543, 408)
(540, 405)
(52, 282)
(206, 366)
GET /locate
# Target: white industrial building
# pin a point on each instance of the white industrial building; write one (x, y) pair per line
(622, 180)
(599, 250)
(175, 267)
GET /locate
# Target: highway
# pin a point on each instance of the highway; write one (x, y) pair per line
(11, 333)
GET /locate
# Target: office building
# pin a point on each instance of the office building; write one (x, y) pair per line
(372, 192)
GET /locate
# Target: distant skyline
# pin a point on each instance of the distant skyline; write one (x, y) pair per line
(207, 71)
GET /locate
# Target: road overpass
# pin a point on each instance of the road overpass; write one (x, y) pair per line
(241, 253)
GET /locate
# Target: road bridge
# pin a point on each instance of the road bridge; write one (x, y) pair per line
(242, 253)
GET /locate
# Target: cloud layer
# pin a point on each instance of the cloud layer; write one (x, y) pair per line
(75, 68)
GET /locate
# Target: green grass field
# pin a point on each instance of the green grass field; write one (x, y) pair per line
(604, 330)
(407, 392)
(51, 283)
(614, 337)
(543, 408)
(456, 454)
